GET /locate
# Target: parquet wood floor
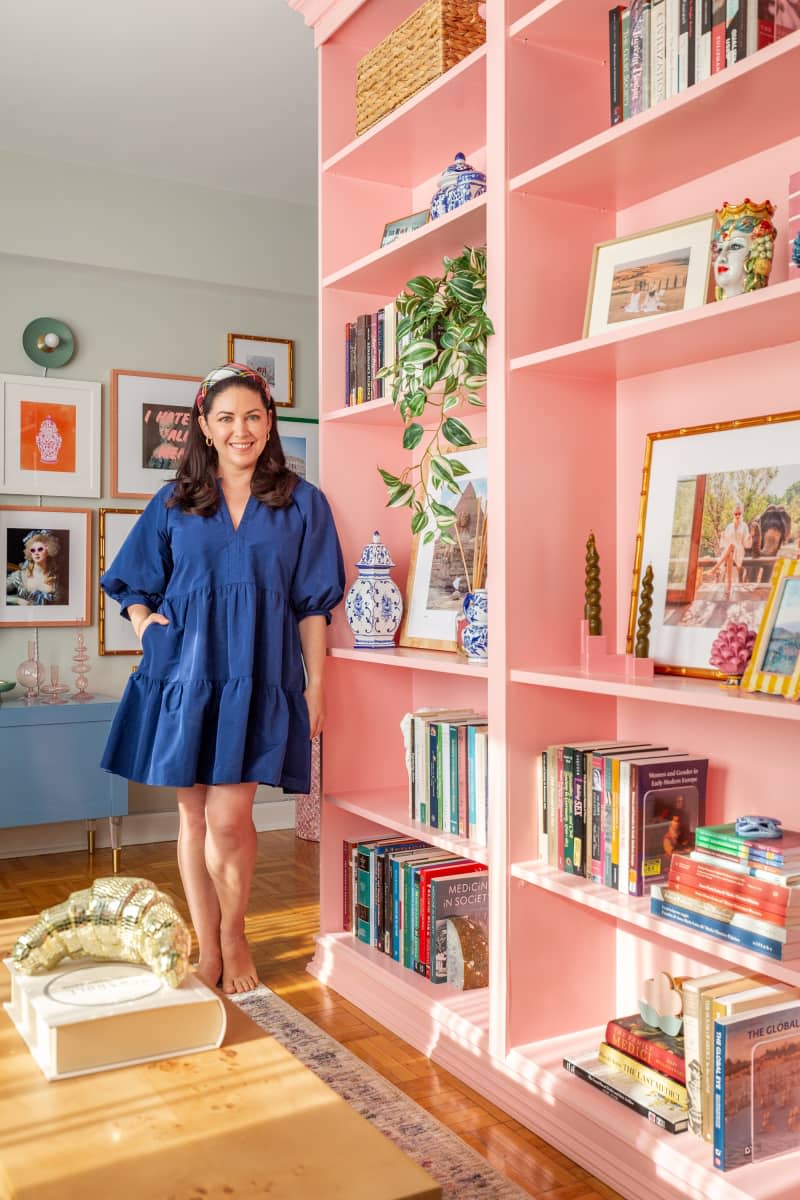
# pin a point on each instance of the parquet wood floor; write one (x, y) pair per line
(281, 927)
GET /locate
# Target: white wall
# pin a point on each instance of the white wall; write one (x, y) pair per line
(150, 276)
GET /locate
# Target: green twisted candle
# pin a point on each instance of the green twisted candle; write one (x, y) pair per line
(642, 645)
(591, 608)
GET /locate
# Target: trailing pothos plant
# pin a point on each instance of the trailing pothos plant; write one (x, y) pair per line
(441, 365)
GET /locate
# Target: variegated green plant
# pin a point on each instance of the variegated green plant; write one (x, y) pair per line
(441, 364)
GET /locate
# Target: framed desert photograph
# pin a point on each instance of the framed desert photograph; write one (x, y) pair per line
(438, 573)
(300, 441)
(47, 555)
(150, 415)
(646, 274)
(273, 358)
(774, 665)
(720, 511)
(115, 633)
(49, 436)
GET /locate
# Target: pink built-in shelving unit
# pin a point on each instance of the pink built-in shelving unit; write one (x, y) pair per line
(566, 422)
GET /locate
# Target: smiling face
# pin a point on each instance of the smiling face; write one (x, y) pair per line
(239, 425)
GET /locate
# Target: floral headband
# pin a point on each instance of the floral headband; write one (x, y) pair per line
(231, 371)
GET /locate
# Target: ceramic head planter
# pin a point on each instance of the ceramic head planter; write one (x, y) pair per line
(742, 248)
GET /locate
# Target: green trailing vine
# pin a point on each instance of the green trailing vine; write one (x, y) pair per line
(441, 367)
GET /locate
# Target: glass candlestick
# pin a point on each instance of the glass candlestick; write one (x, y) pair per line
(30, 674)
(81, 670)
(55, 690)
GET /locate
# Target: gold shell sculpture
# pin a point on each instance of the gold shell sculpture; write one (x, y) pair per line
(116, 918)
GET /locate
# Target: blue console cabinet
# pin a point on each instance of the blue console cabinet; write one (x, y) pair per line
(50, 763)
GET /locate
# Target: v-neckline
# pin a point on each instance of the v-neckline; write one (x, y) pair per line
(224, 502)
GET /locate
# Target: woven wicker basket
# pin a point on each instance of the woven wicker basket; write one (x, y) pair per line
(429, 42)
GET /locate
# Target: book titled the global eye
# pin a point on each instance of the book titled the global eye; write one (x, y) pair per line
(92, 1016)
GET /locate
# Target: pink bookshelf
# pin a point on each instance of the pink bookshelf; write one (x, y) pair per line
(566, 425)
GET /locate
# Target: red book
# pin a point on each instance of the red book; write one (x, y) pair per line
(648, 1045)
(736, 891)
(456, 867)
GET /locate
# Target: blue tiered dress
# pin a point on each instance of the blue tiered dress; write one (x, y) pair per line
(218, 696)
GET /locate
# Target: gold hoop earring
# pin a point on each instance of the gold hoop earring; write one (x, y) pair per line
(209, 441)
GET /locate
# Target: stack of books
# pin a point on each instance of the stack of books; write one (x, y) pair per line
(642, 1068)
(448, 772)
(658, 48)
(743, 891)
(615, 812)
(426, 908)
(369, 346)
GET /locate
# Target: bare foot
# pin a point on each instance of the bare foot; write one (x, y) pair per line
(209, 969)
(238, 969)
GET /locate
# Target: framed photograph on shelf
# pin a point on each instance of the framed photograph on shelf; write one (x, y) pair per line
(644, 274)
(47, 556)
(720, 511)
(49, 436)
(396, 229)
(774, 665)
(273, 358)
(115, 634)
(150, 416)
(300, 441)
(438, 571)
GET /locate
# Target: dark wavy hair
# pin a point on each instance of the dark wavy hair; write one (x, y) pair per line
(195, 488)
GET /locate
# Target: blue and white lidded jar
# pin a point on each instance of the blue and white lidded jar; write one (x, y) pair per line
(374, 605)
(458, 184)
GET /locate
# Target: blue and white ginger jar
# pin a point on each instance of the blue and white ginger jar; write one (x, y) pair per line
(459, 183)
(374, 605)
(475, 636)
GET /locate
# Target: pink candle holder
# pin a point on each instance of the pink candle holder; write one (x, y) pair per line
(81, 670)
(54, 691)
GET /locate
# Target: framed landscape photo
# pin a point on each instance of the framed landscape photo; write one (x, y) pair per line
(774, 665)
(47, 557)
(50, 436)
(437, 574)
(720, 512)
(150, 415)
(300, 440)
(115, 634)
(396, 229)
(273, 358)
(646, 274)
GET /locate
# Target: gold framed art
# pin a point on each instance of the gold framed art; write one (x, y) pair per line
(774, 665)
(114, 634)
(643, 275)
(438, 574)
(710, 564)
(273, 358)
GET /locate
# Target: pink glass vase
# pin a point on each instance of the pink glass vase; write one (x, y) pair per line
(30, 674)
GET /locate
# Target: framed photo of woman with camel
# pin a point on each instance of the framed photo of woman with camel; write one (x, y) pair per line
(720, 510)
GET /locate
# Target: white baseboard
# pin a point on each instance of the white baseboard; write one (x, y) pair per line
(137, 830)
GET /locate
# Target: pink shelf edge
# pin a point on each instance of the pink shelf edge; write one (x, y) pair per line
(635, 911)
(413, 660)
(400, 822)
(664, 689)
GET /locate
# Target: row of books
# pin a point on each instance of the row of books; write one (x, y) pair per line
(448, 771)
(615, 812)
(426, 908)
(746, 892)
(730, 1077)
(658, 48)
(369, 345)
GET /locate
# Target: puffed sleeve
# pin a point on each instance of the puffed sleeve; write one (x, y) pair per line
(142, 567)
(318, 581)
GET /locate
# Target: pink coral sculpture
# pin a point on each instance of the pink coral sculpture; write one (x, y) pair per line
(732, 648)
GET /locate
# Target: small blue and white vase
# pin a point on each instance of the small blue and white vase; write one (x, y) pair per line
(458, 184)
(475, 635)
(374, 605)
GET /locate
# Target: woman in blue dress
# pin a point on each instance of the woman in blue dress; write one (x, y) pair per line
(228, 577)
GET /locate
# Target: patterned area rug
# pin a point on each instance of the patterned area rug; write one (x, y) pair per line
(456, 1167)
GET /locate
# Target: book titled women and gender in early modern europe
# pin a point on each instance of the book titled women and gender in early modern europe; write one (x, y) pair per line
(756, 1085)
